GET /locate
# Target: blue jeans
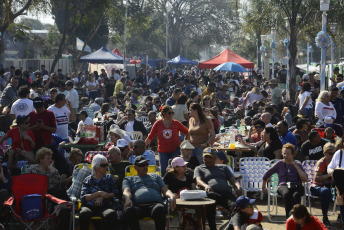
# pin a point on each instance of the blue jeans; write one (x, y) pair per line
(198, 153)
(164, 157)
(308, 112)
(325, 197)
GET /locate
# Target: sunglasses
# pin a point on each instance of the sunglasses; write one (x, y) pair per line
(169, 113)
(142, 165)
(104, 165)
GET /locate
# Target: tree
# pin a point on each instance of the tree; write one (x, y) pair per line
(9, 11)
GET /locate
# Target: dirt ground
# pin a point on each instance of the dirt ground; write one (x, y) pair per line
(267, 224)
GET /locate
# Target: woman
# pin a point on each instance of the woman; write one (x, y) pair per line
(23, 141)
(213, 99)
(178, 178)
(234, 88)
(167, 129)
(302, 129)
(324, 107)
(92, 87)
(205, 102)
(186, 151)
(97, 193)
(252, 96)
(114, 134)
(290, 176)
(321, 186)
(180, 110)
(258, 126)
(201, 131)
(302, 220)
(45, 167)
(103, 110)
(304, 100)
(75, 157)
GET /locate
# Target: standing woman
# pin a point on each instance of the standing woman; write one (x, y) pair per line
(92, 86)
(304, 100)
(253, 95)
(167, 130)
(201, 131)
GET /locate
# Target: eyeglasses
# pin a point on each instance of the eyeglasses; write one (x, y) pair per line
(169, 113)
(142, 165)
(104, 165)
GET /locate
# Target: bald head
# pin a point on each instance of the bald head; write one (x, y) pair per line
(139, 147)
(266, 118)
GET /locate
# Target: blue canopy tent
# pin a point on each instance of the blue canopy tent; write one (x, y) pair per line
(103, 55)
(151, 62)
(180, 60)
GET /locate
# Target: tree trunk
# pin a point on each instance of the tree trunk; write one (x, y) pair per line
(2, 50)
(292, 63)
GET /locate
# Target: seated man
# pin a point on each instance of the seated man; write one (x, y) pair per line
(140, 149)
(142, 196)
(116, 165)
(214, 179)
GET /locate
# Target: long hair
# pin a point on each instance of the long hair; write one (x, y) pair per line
(322, 94)
(273, 134)
(300, 211)
(201, 115)
(255, 90)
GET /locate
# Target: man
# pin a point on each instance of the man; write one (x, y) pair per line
(254, 110)
(96, 105)
(51, 100)
(22, 81)
(22, 106)
(62, 115)
(312, 149)
(52, 82)
(72, 96)
(214, 179)
(62, 77)
(154, 82)
(209, 90)
(156, 103)
(44, 71)
(306, 78)
(117, 166)
(119, 85)
(129, 123)
(134, 97)
(42, 123)
(109, 88)
(284, 134)
(266, 118)
(151, 120)
(84, 120)
(142, 196)
(276, 93)
(10, 93)
(9, 74)
(338, 104)
(175, 95)
(140, 150)
(282, 75)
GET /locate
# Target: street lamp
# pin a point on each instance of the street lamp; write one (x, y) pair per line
(125, 3)
(273, 47)
(262, 51)
(308, 54)
(333, 27)
(286, 44)
(324, 6)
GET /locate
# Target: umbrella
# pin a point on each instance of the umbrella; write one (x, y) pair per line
(230, 67)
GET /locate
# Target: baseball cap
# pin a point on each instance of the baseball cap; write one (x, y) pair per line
(222, 156)
(122, 143)
(69, 83)
(83, 112)
(209, 152)
(186, 145)
(243, 201)
(178, 161)
(336, 68)
(38, 101)
(45, 77)
(305, 77)
(329, 120)
(139, 159)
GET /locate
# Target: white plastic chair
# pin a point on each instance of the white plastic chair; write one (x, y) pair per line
(252, 170)
(309, 167)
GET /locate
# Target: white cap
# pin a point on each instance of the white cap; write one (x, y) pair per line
(45, 77)
(122, 143)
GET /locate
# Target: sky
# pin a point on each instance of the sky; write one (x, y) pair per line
(44, 18)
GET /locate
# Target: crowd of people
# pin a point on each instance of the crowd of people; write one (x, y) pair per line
(185, 112)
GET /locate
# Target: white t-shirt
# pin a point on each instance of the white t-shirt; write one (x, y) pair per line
(73, 97)
(179, 111)
(62, 118)
(322, 110)
(22, 106)
(335, 161)
(88, 121)
(130, 126)
(302, 97)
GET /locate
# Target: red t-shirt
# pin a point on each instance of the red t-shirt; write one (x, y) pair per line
(43, 136)
(314, 224)
(321, 166)
(168, 138)
(16, 142)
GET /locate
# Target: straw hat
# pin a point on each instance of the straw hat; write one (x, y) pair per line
(186, 145)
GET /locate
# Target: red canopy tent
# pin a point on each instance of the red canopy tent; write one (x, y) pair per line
(223, 57)
(116, 51)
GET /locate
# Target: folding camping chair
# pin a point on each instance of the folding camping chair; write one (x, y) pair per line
(28, 184)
